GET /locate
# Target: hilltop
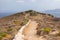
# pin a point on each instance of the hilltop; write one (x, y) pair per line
(47, 24)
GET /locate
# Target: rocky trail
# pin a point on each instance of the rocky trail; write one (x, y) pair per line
(19, 35)
(28, 32)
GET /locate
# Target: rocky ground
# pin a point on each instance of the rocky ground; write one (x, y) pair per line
(42, 26)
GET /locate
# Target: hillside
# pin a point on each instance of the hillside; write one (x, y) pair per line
(47, 25)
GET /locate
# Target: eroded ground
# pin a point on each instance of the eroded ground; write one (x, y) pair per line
(30, 32)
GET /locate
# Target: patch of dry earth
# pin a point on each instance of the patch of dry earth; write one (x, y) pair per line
(30, 32)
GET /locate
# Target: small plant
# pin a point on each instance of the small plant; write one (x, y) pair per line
(58, 27)
(1, 37)
(28, 11)
(47, 30)
(33, 14)
(17, 22)
(50, 15)
(24, 22)
(38, 32)
(2, 34)
(9, 29)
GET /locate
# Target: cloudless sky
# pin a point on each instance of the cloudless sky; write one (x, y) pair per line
(22, 5)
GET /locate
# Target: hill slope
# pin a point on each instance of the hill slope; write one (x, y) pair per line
(10, 25)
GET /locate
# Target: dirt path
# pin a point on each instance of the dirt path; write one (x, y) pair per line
(19, 35)
(30, 31)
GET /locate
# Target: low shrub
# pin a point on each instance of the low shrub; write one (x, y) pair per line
(33, 14)
(9, 29)
(47, 30)
(2, 34)
(38, 32)
(24, 22)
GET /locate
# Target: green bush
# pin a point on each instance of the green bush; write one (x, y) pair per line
(17, 22)
(47, 30)
(58, 27)
(39, 32)
(1, 37)
(24, 22)
(2, 34)
(33, 14)
(50, 15)
(9, 29)
(28, 11)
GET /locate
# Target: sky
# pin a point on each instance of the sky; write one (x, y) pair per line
(22, 5)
